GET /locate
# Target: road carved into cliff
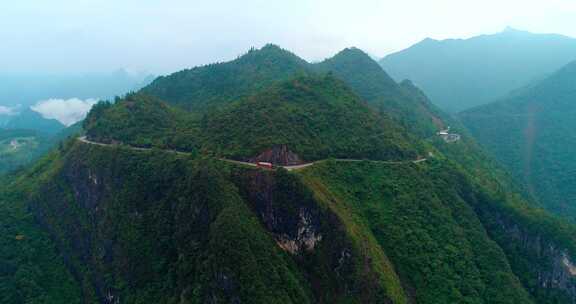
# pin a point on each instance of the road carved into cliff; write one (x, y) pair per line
(83, 139)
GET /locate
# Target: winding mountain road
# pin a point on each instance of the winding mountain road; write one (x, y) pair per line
(83, 139)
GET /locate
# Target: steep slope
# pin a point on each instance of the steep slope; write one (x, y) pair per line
(315, 117)
(531, 133)
(479, 69)
(31, 267)
(401, 101)
(178, 224)
(223, 82)
(451, 239)
(154, 226)
(159, 226)
(144, 121)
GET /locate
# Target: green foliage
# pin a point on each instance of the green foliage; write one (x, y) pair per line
(31, 268)
(405, 103)
(346, 265)
(142, 121)
(152, 226)
(431, 234)
(214, 84)
(532, 134)
(316, 117)
(185, 234)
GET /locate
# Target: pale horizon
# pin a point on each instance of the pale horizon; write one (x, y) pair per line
(67, 37)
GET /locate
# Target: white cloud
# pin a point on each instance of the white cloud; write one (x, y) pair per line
(7, 111)
(66, 111)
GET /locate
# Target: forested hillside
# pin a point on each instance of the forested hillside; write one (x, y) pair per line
(220, 83)
(531, 133)
(150, 209)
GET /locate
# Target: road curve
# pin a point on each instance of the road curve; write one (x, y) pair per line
(83, 139)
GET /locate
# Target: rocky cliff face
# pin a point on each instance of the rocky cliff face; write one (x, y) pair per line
(295, 224)
(543, 264)
(557, 271)
(137, 226)
(313, 236)
(278, 155)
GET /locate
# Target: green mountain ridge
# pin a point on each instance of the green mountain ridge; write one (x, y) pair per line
(479, 69)
(120, 223)
(533, 137)
(223, 82)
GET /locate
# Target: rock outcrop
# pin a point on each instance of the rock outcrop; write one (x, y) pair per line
(278, 155)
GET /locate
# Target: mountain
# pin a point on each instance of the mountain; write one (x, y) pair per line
(317, 117)
(155, 205)
(223, 82)
(31, 120)
(220, 83)
(402, 101)
(531, 133)
(459, 74)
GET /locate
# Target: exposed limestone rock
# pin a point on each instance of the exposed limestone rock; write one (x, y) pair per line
(278, 155)
(559, 271)
(306, 238)
(295, 227)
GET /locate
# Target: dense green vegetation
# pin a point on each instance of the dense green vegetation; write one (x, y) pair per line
(31, 267)
(404, 102)
(118, 223)
(190, 232)
(316, 117)
(531, 133)
(428, 229)
(185, 234)
(444, 232)
(143, 121)
(458, 74)
(209, 86)
(218, 83)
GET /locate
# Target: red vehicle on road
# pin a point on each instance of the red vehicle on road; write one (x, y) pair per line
(266, 165)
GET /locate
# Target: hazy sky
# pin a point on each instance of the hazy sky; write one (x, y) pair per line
(63, 36)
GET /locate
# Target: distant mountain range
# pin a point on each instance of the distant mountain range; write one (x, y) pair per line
(31, 120)
(458, 74)
(27, 89)
(533, 132)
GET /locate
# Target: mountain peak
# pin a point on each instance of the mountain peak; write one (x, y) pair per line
(353, 53)
(513, 31)
(271, 50)
(271, 47)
